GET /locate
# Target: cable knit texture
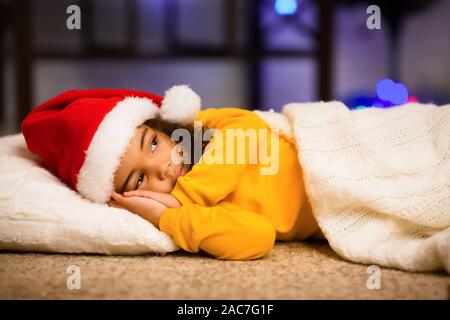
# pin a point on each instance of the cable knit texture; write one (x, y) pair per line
(378, 179)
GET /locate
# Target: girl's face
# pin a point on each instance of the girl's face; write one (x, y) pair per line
(147, 164)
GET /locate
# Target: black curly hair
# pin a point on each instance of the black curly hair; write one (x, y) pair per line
(168, 128)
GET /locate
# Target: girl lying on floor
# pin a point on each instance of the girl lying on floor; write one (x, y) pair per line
(375, 183)
(225, 208)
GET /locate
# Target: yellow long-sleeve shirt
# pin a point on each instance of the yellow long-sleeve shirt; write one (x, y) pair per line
(232, 211)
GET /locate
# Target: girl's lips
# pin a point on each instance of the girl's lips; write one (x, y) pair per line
(183, 170)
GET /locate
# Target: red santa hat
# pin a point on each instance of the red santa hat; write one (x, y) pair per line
(81, 135)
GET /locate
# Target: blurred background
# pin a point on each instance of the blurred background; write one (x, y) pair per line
(234, 53)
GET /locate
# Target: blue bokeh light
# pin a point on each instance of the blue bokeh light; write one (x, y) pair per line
(388, 94)
(388, 90)
(286, 7)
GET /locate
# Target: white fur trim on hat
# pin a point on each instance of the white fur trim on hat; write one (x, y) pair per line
(110, 142)
(180, 105)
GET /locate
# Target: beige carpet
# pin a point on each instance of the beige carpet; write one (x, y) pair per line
(294, 270)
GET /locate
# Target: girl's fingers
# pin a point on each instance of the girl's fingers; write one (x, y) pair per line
(131, 193)
(116, 196)
(120, 200)
(124, 202)
(138, 193)
(114, 204)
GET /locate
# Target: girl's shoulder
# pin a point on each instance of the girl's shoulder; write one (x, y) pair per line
(230, 117)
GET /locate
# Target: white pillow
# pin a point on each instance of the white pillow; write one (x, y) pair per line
(38, 212)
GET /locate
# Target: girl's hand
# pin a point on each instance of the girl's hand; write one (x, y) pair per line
(165, 198)
(147, 208)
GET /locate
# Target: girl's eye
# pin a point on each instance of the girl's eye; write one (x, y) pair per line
(139, 180)
(153, 144)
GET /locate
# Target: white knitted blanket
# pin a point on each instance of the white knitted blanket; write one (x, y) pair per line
(378, 179)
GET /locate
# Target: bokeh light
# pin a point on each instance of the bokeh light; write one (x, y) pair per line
(286, 7)
(393, 92)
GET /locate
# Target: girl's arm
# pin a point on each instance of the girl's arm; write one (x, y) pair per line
(225, 233)
(209, 182)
